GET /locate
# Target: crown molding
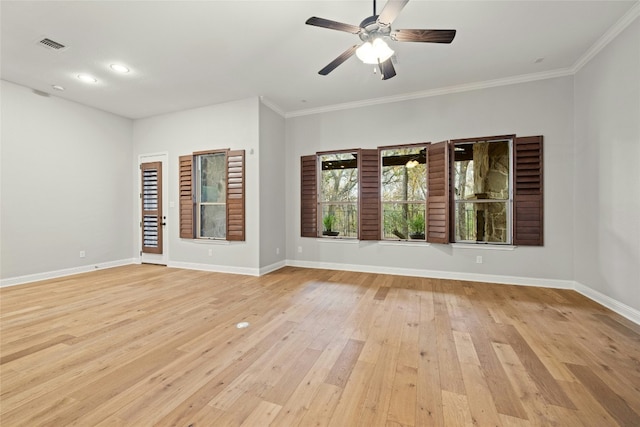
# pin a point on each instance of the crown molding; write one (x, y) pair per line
(524, 78)
(607, 37)
(270, 104)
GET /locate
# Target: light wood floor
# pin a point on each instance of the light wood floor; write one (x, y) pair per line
(145, 345)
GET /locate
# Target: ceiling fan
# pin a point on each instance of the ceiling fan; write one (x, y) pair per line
(372, 31)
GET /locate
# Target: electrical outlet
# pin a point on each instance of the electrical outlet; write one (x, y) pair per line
(299, 249)
(479, 259)
(210, 252)
(277, 251)
(82, 254)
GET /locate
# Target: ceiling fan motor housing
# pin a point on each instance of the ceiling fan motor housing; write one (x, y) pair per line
(371, 29)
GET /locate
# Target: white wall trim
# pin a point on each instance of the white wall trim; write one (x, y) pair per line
(612, 304)
(437, 274)
(607, 37)
(12, 281)
(272, 106)
(273, 267)
(562, 72)
(215, 268)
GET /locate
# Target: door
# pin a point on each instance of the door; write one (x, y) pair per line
(153, 217)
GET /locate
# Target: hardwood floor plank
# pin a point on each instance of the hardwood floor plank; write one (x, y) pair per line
(548, 386)
(148, 345)
(339, 374)
(455, 408)
(616, 406)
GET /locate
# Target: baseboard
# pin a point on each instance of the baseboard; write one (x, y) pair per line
(612, 304)
(215, 268)
(12, 281)
(437, 274)
(273, 267)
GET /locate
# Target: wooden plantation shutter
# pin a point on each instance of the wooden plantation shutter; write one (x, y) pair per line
(309, 196)
(528, 197)
(152, 220)
(438, 193)
(187, 201)
(369, 198)
(235, 195)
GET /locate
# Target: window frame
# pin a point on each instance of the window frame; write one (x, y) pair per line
(320, 204)
(425, 146)
(510, 139)
(235, 173)
(197, 157)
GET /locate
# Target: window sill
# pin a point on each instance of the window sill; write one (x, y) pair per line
(337, 240)
(483, 246)
(213, 242)
(420, 243)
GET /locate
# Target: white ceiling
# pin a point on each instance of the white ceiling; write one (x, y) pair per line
(186, 54)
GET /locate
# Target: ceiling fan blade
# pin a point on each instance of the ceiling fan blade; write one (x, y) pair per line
(390, 11)
(427, 36)
(332, 25)
(387, 69)
(339, 60)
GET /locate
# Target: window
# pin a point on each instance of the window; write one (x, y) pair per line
(338, 196)
(482, 191)
(478, 190)
(404, 189)
(340, 193)
(211, 199)
(212, 195)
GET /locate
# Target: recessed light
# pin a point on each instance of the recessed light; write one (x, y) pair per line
(58, 87)
(119, 68)
(87, 78)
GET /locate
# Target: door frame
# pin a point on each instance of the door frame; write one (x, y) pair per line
(148, 258)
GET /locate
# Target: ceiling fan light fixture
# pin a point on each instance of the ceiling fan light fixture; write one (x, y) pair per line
(374, 52)
(411, 164)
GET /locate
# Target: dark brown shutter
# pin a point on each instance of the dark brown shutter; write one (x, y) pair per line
(369, 198)
(528, 212)
(235, 195)
(187, 202)
(438, 193)
(309, 196)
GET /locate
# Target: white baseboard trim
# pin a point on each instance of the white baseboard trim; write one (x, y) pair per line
(215, 268)
(273, 267)
(12, 281)
(612, 304)
(437, 274)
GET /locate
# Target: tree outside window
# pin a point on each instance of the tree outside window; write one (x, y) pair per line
(338, 198)
(482, 193)
(404, 188)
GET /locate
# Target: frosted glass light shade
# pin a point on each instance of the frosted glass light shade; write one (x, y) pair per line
(372, 53)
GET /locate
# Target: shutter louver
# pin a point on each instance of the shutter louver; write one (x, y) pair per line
(369, 184)
(235, 195)
(151, 207)
(187, 202)
(528, 194)
(438, 193)
(308, 196)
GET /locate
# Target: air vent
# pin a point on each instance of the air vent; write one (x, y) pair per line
(53, 45)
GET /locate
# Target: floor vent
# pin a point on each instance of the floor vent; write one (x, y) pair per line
(51, 44)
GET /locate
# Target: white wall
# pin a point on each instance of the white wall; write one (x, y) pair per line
(535, 108)
(231, 125)
(607, 176)
(66, 184)
(272, 184)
